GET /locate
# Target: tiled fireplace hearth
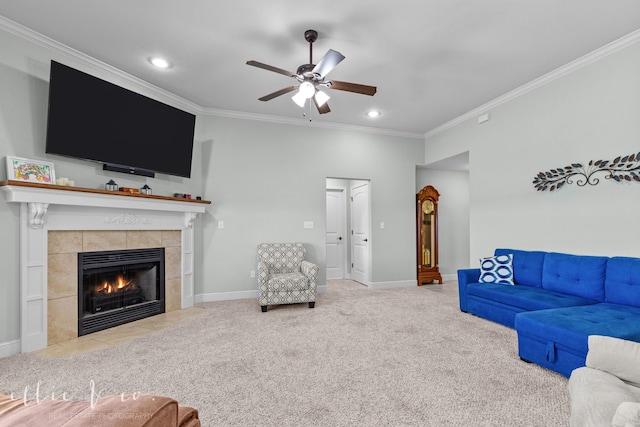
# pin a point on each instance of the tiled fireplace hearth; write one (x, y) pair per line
(56, 223)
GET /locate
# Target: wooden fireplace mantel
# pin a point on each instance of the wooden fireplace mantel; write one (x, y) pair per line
(34, 187)
(40, 196)
(49, 207)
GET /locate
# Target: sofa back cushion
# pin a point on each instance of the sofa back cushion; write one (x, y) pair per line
(578, 275)
(527, 266)
(622, 285)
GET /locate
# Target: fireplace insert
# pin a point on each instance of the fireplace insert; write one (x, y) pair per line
(117, 287)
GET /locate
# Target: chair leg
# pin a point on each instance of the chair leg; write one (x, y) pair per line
(312, 304)
(264, 308)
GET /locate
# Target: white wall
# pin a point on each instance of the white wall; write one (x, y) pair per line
(453, 217)
(589, 114)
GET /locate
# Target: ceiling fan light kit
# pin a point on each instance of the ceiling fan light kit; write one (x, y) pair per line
(321, 97)
(310, 76)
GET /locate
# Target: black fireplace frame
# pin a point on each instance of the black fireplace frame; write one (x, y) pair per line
(89, 323)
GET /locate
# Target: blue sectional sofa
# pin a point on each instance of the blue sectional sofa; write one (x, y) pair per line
(558, 300)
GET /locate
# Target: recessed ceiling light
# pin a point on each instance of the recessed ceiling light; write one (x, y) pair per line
(159, 62)
(373, 114)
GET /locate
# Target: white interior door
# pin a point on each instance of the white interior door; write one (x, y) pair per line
(360, 233)
(336, 237)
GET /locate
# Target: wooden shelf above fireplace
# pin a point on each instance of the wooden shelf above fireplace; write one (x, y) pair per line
(27, 184)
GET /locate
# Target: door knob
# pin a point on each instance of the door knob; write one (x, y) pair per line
(365, 240)
(340, 238)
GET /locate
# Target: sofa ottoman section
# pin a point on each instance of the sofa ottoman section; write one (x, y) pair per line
(557, 339)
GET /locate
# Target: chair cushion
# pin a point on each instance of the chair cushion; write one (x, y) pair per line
(281, 257)
(287, 282)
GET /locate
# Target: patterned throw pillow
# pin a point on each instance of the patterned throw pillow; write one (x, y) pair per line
(497, 269)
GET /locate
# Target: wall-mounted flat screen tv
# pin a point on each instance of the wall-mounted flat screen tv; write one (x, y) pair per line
(92, 119)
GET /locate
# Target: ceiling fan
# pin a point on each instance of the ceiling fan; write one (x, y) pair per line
(311, 77)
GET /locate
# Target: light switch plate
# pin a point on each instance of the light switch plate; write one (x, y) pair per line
(308, 224)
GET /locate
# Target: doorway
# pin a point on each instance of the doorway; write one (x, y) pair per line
(336, 233)
(348, 245)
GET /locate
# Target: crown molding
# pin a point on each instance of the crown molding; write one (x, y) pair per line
(64, 50)
(308, 122)
(569, 68)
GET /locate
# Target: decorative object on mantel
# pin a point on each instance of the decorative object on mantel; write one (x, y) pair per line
(622, 168)
(21, 169)
(111, 186)
(145, 190)
(65, 182)
(130, 190)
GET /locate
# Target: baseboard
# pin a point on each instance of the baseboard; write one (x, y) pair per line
(389, 285)
(449, 277)
(230, 296)
(224, 296)
(9, 348)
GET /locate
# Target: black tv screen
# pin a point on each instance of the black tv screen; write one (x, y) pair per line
(95, 120)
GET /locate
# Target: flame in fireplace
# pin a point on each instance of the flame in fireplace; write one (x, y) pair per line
(119, 285)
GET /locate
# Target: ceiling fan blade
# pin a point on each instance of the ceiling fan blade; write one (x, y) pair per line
(328, 62)
(271, 68)
(278, 93)
(322, 109)
(352, 87)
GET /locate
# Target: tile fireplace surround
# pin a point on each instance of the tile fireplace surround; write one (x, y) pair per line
(81, 219)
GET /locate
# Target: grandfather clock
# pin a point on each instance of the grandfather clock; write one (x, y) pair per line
(427, 234)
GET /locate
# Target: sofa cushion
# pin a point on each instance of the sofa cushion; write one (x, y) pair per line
(595, 397)
(525, 297)
(627, 415)
(616, 356)
(527, 266)
(572, 326)
(622, 285)
(497, 269)
(578, 275)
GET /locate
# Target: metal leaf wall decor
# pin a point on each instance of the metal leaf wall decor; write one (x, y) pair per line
(622, 168)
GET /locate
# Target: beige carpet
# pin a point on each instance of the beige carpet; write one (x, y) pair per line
(397, 357)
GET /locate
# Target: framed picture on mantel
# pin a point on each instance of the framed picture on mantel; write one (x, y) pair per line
(37, 171)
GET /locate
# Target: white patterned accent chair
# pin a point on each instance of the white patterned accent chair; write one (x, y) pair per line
(284, 276)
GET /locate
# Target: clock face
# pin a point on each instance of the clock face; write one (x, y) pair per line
(427, 207)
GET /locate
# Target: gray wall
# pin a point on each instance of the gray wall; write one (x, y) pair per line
(24, 77)
(588, 114)
(264, 179)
